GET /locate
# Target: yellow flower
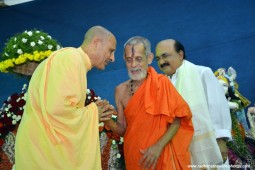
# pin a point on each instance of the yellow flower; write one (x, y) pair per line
(18, 49)
(30, 57)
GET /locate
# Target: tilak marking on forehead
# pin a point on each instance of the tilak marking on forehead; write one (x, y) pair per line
(133, 50)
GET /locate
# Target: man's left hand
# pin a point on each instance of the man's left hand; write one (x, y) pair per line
(150, 157)
(223, 149)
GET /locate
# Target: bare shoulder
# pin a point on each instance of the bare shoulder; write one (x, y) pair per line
(122, 87)
(122, 92)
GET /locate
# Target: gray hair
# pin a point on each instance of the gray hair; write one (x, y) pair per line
(140, 40)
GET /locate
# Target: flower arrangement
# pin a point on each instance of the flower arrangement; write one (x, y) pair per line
(11, 113)
(33, 45)
(10, 116)
(240, 151)
(111, 144)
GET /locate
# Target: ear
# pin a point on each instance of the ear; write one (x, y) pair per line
(150, 58)
(181, 55)
(96, 41)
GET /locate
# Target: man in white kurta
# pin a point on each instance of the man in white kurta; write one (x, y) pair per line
(57, 132)
(201, 90)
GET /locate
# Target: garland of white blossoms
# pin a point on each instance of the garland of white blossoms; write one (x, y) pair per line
(33, 45)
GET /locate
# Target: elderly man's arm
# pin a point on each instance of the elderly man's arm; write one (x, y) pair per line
(151, 155)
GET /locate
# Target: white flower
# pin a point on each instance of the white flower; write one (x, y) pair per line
(14, 122)
(37, 31)
(24, 40)
(32, 44)
(6, 54)
(118, 155)
(18, 100)
(40, 42)
(30, 33)
(50, 47)
(88, 91)
(9, 114)
(113, 142)
(42, 37)
(14, 117)
(19, 51)
(89, 97)
(6, 109)
(121, 139)
(18, 118)
(24, 87)
(101, 124)
(14, 46)
(49, 36)
(58, 47)
(15, 39)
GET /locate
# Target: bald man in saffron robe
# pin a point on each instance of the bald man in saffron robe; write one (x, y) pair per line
(57, 132)
(153, 118)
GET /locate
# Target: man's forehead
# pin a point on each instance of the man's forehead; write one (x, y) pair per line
(134, 49)
(164, 49)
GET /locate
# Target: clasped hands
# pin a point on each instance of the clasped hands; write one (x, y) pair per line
(105, 110)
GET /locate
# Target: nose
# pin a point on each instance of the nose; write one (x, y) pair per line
(133, 63)
(160, 61)
(112, 58)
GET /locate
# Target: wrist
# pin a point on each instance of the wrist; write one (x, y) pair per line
(225, 139)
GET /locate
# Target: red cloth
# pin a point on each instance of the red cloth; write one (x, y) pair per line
(148, 114)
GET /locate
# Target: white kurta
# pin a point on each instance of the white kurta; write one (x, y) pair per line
(217, 103)
(211, 115)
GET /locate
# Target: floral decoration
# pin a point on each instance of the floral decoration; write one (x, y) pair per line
(11, 113)
(33, 45)
(111, 144)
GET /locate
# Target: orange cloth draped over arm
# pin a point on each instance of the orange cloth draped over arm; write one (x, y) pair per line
(149, 113)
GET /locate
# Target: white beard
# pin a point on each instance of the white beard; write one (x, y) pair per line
(140, 76)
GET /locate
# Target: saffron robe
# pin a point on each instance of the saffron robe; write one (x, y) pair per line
(148, 114)
(211, 116)
(56, 131)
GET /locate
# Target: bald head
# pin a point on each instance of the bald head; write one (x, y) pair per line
(166, 42)
(99, 44)
(97, 32)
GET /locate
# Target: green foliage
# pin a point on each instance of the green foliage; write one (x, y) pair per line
(28, 42)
